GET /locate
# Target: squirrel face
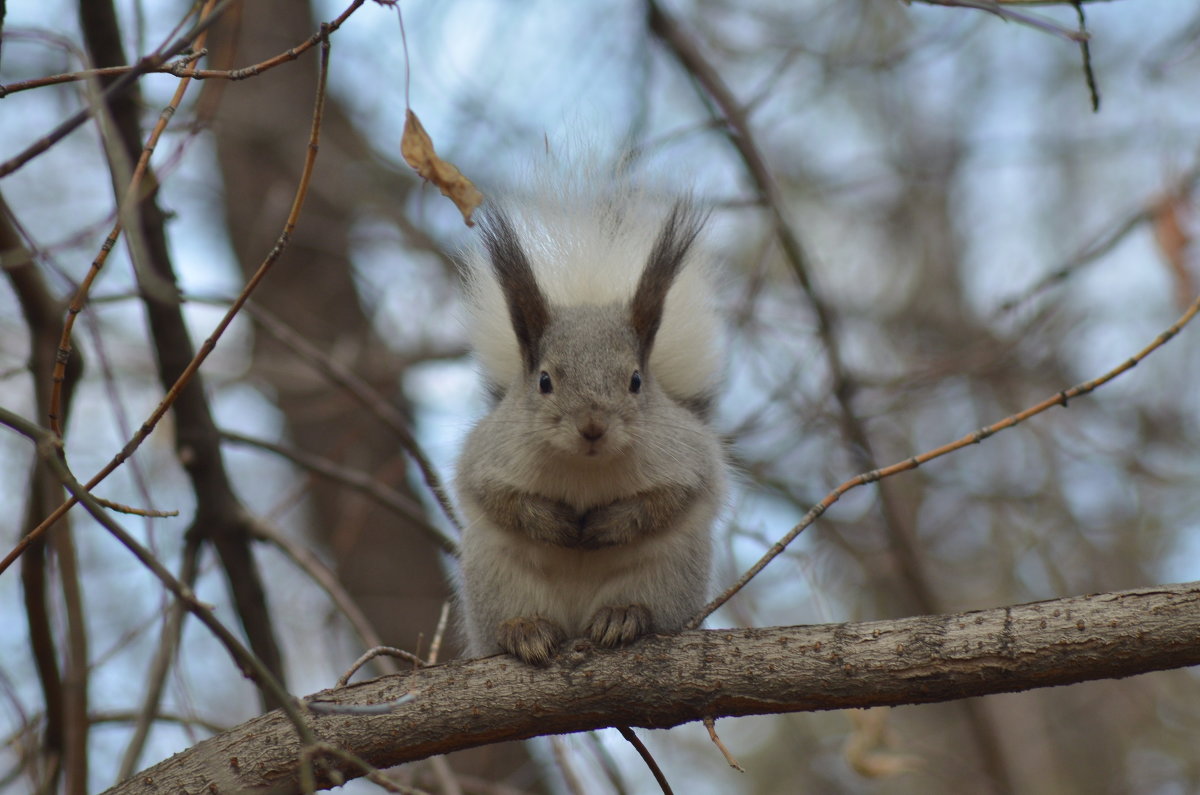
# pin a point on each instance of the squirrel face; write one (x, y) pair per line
(589, 389)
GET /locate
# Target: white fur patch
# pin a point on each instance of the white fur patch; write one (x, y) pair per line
(588, 238)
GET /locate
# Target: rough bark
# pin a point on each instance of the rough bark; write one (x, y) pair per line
(665, 681)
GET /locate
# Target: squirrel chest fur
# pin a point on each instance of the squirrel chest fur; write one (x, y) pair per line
(591, 488)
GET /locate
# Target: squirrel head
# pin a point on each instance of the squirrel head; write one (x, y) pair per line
(585, 380)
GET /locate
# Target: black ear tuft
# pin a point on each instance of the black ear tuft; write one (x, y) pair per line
(666, 259)
(527, 307)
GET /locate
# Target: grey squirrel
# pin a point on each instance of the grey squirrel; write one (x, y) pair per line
(591, 488)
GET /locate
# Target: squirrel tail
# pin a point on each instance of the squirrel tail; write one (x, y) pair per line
(588, 237)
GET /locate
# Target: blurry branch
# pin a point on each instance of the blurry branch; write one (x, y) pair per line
(182, 67)
(361, 482)
(132, 511)
(1060, 399)
(114, 89)
(566, 769)
(160, 666)
(661, 682)
(361, 768)
(325, 578)
(1085, 50)
(1116, 231)
(161, 717)
(1007, 3)
(1003, 10)
(361, 391)
(49, 448)
(219, 518)
(189, 371)
(737, 128)
(134, 193)
(725, 106)
(65, 693)
(899, 533)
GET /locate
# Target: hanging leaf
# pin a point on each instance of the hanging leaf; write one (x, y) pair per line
(418, 152)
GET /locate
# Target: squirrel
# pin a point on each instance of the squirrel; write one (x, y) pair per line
(591, 487)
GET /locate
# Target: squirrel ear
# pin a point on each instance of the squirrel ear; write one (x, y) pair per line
(666, 259)
(527, 307)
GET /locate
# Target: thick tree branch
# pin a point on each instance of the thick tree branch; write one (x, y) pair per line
(665, 681)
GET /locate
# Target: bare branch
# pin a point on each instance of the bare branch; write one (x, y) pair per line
(665, 681)
(183, 67)
(1000, 9)
(114, 89)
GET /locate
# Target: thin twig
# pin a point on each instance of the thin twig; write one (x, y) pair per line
(715, 92)
(160, 717)
(181, 67)
(129, 509)
(378, 405)
(360, 481)
(321, 574)
(644, 752)
(160, 666)
(1060, 399)
(435, 647)
(372, 773)
(211, 342)
(65, 692)
(998, 9)
(133, 194)
(144, 64)
(378, 651)
(1085, 50)
(711, 725)
(1116, 231)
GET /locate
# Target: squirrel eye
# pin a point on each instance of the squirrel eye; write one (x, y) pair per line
(545, 385)
(635, 383)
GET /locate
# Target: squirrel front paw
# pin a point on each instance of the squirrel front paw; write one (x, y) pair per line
(610, 525)
(617, 626)
(532, 639)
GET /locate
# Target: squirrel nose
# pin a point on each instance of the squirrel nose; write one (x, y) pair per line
(593, 429)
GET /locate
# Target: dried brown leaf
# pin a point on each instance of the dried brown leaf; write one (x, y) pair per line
(417, 149)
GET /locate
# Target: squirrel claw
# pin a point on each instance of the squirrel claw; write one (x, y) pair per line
(617, 626)
(532, 639)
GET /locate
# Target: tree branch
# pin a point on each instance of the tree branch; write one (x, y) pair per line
(665, 681)
(66, 694)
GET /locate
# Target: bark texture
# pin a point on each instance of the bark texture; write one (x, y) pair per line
(665, 681)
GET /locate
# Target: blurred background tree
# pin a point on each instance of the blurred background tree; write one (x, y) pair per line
(925, 228)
